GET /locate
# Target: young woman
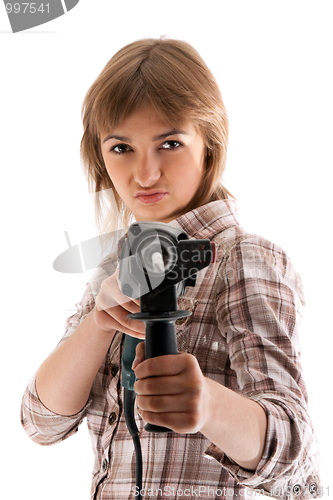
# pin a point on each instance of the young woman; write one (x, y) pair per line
(155, 137)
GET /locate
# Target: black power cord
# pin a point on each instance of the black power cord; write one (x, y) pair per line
(129, 399)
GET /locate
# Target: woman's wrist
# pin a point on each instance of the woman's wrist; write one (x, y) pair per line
(100, 323)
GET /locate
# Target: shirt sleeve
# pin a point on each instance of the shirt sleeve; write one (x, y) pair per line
(259, 312)
(41, 424)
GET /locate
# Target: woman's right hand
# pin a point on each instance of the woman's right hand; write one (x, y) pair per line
(112, 307)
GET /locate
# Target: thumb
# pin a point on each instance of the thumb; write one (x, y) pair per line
(139, 355)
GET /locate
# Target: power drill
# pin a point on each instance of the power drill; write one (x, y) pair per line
(158, 262)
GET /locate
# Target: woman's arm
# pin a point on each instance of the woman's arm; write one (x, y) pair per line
(64, 379)
(235, 424)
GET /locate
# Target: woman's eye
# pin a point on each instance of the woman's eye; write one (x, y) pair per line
(120, 149)
(171, 145)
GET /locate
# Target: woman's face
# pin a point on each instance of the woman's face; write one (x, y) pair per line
(155, 169)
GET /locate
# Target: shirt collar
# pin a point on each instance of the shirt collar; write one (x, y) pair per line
(206, 221)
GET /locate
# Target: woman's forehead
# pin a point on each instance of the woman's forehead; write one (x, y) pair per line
(159, 119)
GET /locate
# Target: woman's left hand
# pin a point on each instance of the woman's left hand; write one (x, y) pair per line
(171, 391)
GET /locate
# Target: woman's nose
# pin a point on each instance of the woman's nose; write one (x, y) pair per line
(147, 171)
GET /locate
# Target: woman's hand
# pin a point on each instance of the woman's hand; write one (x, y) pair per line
(171, 391)
(112, 307)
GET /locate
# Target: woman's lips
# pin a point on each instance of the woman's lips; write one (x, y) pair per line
(150, 198)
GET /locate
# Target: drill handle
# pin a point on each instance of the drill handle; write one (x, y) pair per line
(160, 340)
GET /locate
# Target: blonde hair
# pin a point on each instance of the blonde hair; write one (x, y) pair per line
(170, 76)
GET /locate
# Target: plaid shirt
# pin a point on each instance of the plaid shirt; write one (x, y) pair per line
(244, 331)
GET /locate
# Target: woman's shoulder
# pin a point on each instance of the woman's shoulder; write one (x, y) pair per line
(238, 248)
(238, 238)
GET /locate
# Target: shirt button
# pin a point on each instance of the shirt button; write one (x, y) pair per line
(112, 418)
(104, 465)
(114, 370)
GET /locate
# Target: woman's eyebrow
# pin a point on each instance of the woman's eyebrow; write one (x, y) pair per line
(171, 132)
(157, 138)
(118, 137)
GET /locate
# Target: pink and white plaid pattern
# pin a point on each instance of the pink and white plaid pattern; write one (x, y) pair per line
(245, 332)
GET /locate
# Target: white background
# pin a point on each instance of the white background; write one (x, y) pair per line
(273, 61)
